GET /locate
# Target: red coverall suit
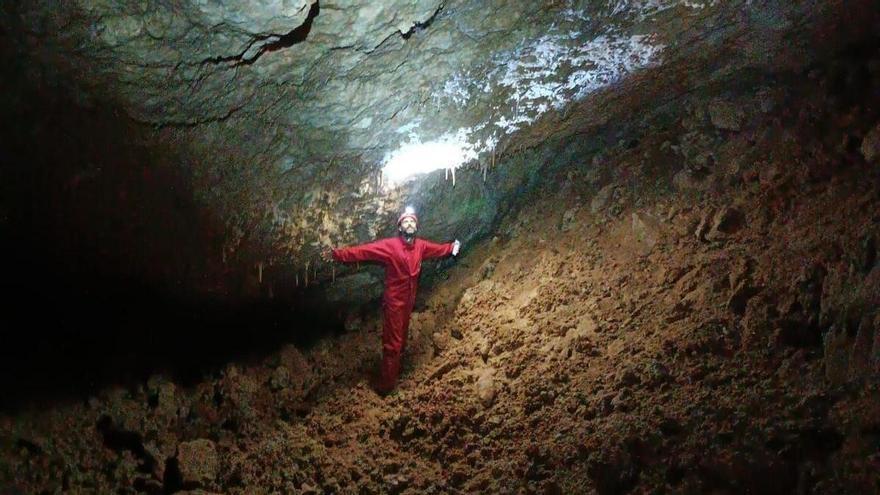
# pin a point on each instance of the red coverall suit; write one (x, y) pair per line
(403, 263)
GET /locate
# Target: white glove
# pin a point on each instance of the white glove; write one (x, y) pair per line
(455, 247)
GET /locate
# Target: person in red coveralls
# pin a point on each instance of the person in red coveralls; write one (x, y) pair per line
(402, 257)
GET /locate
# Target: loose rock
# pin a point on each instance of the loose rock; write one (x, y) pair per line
(725, 115)
(871, 145)
(646, 230)
(485, 387)
(197, 461)
(603, 198)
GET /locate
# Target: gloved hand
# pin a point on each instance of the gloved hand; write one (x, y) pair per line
(327, 255)
(455, 247)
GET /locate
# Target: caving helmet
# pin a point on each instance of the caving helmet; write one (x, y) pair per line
(409, 212)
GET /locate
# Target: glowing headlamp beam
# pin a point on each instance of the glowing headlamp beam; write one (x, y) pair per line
(420, 158)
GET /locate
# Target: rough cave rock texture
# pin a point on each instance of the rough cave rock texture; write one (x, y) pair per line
(279, 114)
(634, 327)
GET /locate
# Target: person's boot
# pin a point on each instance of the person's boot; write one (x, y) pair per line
(379, 385)
(387, 379)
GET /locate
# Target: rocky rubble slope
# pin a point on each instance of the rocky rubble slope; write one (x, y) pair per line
(692, 309)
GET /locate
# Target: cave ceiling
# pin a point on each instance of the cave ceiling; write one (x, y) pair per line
(284, 112)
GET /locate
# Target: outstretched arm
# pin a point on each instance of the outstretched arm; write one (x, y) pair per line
(371, 251)
(434, 250)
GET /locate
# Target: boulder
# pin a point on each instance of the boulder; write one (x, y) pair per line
(162, 393)
(197, 461)
(657, 373)
(486, 387)
(646, 230)
(626, 378)
(279, 379)
(568, 219)
(483, 349)
(860, 366)
(440, 341)
(603, 198)
(705, 225)
(725, 115)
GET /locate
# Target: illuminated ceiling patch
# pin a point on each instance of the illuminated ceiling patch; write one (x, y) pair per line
(415, 157)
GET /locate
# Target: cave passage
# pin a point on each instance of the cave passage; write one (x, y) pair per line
(668, 282)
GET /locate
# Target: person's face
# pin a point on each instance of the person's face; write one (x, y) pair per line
(408, 226)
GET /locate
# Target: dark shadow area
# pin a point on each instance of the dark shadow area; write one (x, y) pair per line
(65, 337)
(111, 270)
(298, 35)
(422, 26)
